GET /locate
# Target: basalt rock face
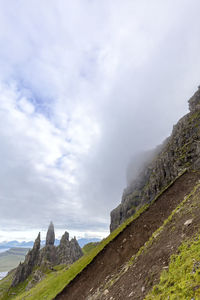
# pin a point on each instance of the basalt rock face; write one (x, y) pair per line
(26, 268)
(75, 250)
(49, 256)
(50, 238)
(48, 253)
(179, 152)
(68, 251)
(63, 250)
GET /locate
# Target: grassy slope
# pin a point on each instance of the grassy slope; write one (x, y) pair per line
(88, 247)
(153, 238)
(54, 282)
(11, 258)
(182, 280)
(4, 285)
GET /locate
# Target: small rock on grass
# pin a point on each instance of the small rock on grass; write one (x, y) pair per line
(188, 222)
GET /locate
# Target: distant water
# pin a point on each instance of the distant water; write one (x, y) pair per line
(3, 274)
(4, 249)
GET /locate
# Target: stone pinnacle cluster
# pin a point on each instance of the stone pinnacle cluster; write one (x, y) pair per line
(66, 253)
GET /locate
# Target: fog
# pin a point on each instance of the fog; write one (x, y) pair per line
(84, 87)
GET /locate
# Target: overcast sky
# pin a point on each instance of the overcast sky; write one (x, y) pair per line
(85, 85)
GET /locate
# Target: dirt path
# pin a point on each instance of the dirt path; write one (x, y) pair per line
(126, 244)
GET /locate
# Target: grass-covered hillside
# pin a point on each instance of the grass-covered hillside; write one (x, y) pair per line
(88, 247)
(11, 258)
(155, 230)
(182, 279)
(55, 280)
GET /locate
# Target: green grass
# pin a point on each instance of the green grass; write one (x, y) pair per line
(4, 285)
(88, 247)
(182, 280)
(154, 237)
(54, 282)
(156, 234)
(11, 258)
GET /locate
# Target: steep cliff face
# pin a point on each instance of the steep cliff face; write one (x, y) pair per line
(179, 152)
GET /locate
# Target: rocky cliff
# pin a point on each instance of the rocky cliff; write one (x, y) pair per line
(31, 260)
(66, 253)
(179, 152)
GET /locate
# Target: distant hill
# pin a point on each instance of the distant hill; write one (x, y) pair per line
(11, 258)
(11, 244)
(83, 242)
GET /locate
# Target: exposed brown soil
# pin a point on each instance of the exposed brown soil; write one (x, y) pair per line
(126, 244)
(146, 269)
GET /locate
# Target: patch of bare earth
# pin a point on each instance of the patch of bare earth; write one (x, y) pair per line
(145, 271)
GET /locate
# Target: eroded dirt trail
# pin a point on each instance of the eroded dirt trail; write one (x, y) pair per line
(126, 244)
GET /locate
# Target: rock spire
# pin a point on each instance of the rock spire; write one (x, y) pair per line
(50, 237)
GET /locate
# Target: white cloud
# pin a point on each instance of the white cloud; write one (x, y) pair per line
(83, 86)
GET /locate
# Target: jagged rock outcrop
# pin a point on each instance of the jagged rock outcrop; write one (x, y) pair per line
(50, 237)
(48, 256)
(75, 250)
(25, 269)
(63, 250)
(194, 103)
(48, 253)
(180, 151)
(66, 253)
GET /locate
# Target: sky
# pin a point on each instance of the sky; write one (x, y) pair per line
(85, 85)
